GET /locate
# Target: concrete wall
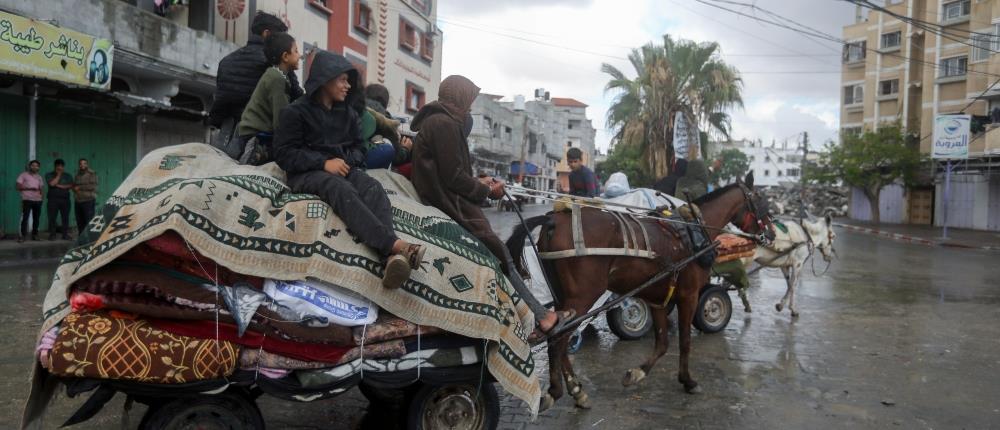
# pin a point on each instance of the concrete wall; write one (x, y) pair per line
(132, 30)
(306, 23)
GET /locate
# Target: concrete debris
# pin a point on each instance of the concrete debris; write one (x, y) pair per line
(820, 200)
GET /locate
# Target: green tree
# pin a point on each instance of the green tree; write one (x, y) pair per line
(628, 160)
(676, 77)
(869, 161)
(733, 164)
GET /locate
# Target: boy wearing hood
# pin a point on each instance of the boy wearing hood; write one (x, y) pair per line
(442, 176)
(318, 143)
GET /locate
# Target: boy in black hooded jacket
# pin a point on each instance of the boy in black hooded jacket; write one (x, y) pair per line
(318, 143)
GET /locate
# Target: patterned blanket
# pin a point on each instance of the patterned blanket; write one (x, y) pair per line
(247, 219)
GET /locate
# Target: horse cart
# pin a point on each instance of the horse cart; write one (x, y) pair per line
(203, 285)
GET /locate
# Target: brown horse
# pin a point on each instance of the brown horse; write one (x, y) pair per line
(579, 281)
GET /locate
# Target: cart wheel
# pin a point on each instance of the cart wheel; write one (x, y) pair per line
(229, 410)
(631, 320)
(575, 342)
(714, 310)
(453, 407)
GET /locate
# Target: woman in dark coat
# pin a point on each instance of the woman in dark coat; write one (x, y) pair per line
(318, 143)
(442, 176)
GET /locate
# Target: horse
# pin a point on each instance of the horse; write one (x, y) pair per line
(579, 281)
(791, 248)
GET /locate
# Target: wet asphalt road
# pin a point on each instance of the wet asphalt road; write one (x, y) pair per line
(894, 336)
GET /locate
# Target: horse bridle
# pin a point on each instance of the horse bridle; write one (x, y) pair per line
(750, 216)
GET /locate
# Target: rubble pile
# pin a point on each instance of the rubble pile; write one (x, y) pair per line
(820, 200)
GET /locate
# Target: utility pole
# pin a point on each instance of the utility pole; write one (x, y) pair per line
(802, 175)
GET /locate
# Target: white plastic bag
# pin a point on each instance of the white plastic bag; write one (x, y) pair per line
(313, 298)
(616, 185)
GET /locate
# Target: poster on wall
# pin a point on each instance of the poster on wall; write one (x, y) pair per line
(41, 50)
(951, 137)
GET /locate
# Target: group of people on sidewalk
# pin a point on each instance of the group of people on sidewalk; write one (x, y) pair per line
(58, 184)
(320, 136)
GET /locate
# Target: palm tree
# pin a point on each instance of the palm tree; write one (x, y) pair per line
(677, 77)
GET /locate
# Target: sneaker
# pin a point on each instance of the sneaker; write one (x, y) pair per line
(20, 239)
(35, 238)
(398, 267)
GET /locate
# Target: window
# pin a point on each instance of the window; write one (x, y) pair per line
(767, 173)
(792, 172)
(407, 36)
(954, 66)
(414, 98)
(982, 46)
(891, 40)
(850, 131)
(363, 18)
(854, 94)
(427, 46)
(781, 160)
(956, 9)
(569, 144)
(767, 159)
(888, 87)
(779, 173)
(855, 52)
(507, 133)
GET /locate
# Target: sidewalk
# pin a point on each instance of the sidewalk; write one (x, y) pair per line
(13, 254)
(925, 234)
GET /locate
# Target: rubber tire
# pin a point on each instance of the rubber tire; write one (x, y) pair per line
(715, 292)
(491, 404)
(231, 406)
(617, 325)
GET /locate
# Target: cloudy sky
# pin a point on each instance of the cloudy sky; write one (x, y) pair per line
(791, 83)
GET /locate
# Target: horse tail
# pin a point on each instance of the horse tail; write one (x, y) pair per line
(515, 244)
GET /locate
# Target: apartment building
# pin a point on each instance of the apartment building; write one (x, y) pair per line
(396, 43)
(895, 71)
(772, 164)
(539, 131)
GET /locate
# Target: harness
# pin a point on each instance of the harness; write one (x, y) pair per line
(627, 224)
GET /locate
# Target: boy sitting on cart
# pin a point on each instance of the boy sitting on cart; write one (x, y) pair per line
(318, 143)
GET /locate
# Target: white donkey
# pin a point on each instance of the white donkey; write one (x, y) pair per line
(790, 250)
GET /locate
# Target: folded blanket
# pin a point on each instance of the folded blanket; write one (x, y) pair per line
(249, 357)
(160, 292)
(389, 327)
(95, 345)
(228, 332)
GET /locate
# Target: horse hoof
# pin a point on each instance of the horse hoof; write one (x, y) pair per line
(696, 389)
(633, 376)
(795, 314)
(748, 310)
(583, 401)
(546, 403)
(779, 307)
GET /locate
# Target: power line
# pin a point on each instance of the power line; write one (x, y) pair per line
(832, 38)
(924, 25)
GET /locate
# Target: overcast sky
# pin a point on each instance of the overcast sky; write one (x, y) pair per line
(791, 83)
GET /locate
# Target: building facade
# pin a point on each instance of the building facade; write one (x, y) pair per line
(895, 71)
(396, 43)
(538, 131)
(772, 164)
(157, 72)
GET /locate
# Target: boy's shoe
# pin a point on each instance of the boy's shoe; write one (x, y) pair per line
(20, 239)
(398, 267)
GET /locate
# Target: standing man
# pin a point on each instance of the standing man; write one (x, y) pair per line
(85, 188)
(237, 78)
(582, 182)
(59, 185)
(29, 184)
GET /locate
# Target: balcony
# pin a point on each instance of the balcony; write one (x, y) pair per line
(988, 146)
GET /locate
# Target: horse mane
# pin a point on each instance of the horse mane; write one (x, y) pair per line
(716, 193)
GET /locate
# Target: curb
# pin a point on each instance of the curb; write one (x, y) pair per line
(911, 239)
